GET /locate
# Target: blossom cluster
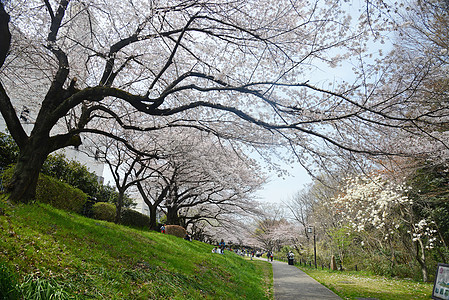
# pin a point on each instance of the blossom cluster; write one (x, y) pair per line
(375, 203)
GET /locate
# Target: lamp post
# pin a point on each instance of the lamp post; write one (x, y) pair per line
(311, 229)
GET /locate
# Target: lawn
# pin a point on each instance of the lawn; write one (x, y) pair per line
(353, 285)
(91, 259)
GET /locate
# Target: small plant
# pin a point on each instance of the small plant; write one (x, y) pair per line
(8, 283)
(41, 288)
(104, 211)
(176, 230)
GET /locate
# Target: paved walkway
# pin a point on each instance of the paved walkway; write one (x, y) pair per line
(290, 283)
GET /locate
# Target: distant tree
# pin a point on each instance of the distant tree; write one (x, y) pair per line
(127, 167)
(200, 178)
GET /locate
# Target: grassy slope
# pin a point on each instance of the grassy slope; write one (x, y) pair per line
(354, 285)
(95, 259)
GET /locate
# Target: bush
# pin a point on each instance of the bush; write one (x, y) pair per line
(71, 172)
(104, 211)
(8, 283)
(176, 230)
(59, 194)
(9, 152)
(135, 219)
(54, 192)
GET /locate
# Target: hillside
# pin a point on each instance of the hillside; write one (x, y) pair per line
(99, 260)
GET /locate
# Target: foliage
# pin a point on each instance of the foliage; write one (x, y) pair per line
(98, 260)
(78, 175)
(175, 230)
(9, 152)
(135, 219)
(8, 283)
(56, 193)
(71, 172)
(429, 190)
(59, 194)
(104, 211)
(41, 288)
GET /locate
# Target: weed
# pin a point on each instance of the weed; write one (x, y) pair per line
(8, 283)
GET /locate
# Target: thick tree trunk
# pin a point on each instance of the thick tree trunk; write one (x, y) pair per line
(5, 35)
(26, 173)
(172, 216)
(153, 210)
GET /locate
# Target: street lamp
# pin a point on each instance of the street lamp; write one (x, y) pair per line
(311, 229)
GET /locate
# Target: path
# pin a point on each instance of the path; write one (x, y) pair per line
(290, 283)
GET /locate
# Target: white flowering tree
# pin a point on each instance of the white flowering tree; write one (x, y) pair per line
(200, 178)
(271, 230)
(380, 208)
(239, 69)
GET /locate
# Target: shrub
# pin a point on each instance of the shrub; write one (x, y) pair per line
(54, 192)
(8, 283)
(71, 172)
(104, 211)
(9, 152)
(176, 230)
(135, 219)
(59, 194)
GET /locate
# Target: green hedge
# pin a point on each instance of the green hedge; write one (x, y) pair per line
(59, 194)
(175, 230)
(135, 219)
(54, 192)
(104, 211)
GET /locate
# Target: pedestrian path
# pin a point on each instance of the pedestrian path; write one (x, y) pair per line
(290, 283)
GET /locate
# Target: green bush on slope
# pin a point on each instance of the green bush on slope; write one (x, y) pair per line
(104, 211)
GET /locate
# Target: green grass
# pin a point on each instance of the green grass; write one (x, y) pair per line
(93, 259)
(353, 285)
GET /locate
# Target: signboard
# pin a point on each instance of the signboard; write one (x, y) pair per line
(441, 284)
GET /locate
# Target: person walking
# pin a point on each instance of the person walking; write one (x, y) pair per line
(290, 257)
(163, 228)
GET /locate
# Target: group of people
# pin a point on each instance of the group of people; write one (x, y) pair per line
(221, 247)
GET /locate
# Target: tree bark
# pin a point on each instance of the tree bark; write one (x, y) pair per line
(172, 215)
(22, 187)
(5, 35)
(421, 258)
(119, 206)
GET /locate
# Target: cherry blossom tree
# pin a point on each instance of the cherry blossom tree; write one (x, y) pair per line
(200, 179)
(127, 167)
(234, 68)
(5, 35)
(414, 79)
(272, 231)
